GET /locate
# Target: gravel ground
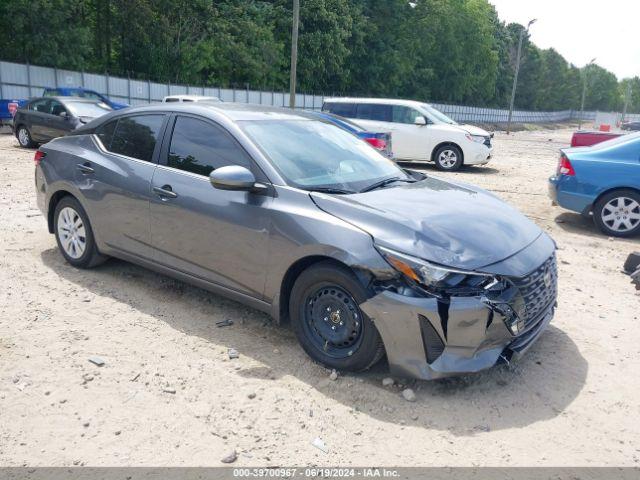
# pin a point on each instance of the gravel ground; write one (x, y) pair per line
(169, 395)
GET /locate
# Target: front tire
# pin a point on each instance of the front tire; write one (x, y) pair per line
(328, 322)
(74, 234)
(24, 137)
(618, 213)
(448, 158)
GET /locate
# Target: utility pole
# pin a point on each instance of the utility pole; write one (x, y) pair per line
(627, 99)
(294, 54)
(515, 77)
(584, 90)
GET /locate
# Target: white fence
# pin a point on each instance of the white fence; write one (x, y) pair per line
(24, 81)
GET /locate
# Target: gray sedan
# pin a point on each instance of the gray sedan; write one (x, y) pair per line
(302, 220)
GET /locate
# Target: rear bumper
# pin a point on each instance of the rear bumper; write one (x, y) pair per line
(559, 189)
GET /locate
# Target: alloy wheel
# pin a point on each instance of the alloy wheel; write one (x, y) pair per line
(71, 232)
(621, 214)
(23, 136)
(447, 158)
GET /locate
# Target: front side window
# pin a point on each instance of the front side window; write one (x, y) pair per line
(371, 111)
(403, 114)
(201, 147)
(57, 108)
(313, 155)
(51, 93)
(136, 136)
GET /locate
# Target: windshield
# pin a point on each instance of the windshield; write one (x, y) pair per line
(315, 155)
(436, 114)
(88, 109)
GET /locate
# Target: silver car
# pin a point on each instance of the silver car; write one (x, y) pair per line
(300, 219)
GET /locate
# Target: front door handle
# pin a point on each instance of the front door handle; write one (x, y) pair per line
(165, 192)
(85, 167)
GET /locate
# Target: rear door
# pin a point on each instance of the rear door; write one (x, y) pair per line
(117, 183)
(216, 235)
(38, 116)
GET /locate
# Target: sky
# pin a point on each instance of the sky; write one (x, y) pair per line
(583, 29)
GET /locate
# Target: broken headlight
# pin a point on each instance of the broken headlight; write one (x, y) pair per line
(437, 277)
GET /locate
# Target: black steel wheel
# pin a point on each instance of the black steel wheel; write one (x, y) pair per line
(327, 319)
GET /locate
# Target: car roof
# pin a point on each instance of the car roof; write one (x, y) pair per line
(65, 99)
(232, 111)
(378, 101)
(192, 97)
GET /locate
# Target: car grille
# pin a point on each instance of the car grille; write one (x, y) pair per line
(539, 290)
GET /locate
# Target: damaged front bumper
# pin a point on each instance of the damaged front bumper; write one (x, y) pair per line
(427, 339)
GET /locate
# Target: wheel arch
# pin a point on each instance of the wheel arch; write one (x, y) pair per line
(446, 144)
(53, 202)
(281, 312)
(610, 190)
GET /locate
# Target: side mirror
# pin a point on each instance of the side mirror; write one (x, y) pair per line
(420, 120)
(232, 177)
(64, 114)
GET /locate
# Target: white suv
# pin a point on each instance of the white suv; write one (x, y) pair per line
(419, 131)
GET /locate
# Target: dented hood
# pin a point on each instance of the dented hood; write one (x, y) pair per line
(456, 225)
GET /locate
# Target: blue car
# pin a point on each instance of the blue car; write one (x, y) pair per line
(379, 140)
(602, 180)
(84, 93)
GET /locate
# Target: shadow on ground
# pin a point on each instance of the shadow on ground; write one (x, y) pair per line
(431, 167)
(576, 223)
(536, 388)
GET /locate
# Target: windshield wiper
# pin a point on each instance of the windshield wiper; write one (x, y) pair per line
(386, 181)
(330, 190)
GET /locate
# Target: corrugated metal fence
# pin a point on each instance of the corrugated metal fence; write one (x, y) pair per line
(25, 81)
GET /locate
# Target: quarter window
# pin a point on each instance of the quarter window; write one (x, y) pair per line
(105, 133)
(342, 109)
(200, 147)
(136, 136)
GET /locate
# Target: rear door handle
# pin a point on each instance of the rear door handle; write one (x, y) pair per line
(165, 192)
(85, 167)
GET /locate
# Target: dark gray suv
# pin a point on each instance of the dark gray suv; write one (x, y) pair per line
(300, 219)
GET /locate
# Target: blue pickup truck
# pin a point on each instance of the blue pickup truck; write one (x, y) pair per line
(8, 109)
(83, 93)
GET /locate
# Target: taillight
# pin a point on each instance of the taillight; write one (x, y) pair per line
(565, 167)
(37, 158)
(377, 143)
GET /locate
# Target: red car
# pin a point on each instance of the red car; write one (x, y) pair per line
(586, 138)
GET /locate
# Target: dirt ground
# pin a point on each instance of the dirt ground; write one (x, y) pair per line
(169, 395)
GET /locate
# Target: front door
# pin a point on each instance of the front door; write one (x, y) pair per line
(59, 123)
(410, 141)
(216, 235)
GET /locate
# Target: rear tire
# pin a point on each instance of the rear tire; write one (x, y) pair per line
(448, 158)
(74, 234)
(618, 213)
(24, 137)
(328, 322)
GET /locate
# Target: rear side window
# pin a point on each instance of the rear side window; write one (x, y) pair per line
(370, 111)
(136, 136)
(200, 147)
(105, 133)
(342, 109)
